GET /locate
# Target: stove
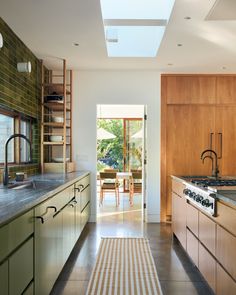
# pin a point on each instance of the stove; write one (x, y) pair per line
(213, 182)
(205, 200)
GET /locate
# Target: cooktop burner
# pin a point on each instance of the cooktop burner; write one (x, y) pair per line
(214, 182)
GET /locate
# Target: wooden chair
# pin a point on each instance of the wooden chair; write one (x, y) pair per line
(135, 185)
(109, 182)
(111, 170)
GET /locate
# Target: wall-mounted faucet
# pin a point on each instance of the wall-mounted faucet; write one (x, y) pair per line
(215, 169)
(5, 173)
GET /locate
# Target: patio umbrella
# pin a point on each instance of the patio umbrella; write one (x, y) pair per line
(104, 134)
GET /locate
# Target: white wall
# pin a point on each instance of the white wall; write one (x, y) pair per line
(91, 88)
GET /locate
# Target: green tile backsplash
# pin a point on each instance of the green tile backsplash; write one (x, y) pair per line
(20, 91)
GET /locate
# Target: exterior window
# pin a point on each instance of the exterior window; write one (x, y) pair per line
(6, 130)
(25, 128)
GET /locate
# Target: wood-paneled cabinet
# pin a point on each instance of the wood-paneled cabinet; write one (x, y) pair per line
(4, 277)
(224, 283)
(207, 232)
(192, 247)
(198, 113)
(192, 219)
(179, 213)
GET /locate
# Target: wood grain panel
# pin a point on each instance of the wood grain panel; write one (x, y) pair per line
(225, 130)
(225, 285)
(178, 187)
(192, 247)
(226, 216)
(207, 267)
(207, 232)
(192, 219)
(225, 250)
(191, 89)
(189, 129)
(225, 90)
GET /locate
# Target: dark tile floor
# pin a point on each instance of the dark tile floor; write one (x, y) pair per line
(176, 272)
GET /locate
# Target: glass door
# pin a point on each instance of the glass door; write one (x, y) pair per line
(133, 143)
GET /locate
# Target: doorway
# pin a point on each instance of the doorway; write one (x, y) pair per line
(121, 150)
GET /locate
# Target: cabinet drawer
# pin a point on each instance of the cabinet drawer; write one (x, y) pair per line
(84, 182)
(207, 232)
(192, 247)
(4, 278)
(178, 187)
(192, 219)
(207, 266)
(225, 250)
(29, 290)
(14, 233)
(85, 197)
(225, 285)
(21, 268)
(226, 216)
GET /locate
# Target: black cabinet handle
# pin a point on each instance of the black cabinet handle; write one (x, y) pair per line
(221, 145)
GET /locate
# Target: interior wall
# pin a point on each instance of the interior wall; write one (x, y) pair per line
(91, 88)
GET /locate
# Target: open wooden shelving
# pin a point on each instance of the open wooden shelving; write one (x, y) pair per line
(58, 84)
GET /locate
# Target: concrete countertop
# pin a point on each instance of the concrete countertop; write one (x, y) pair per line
(227, 196)
(14, 203)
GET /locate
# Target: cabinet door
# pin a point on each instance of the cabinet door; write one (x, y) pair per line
(189, 131)
(84, 197)
(207, 232)
(226, 90)
(192, 219)
(226, 139)
(191, 89)
(225, 285)
(179, 218)
(225, 250)
(68, 229)
(48, 252)
(192, 247)
(207, 266)
(21, 268)
(4, 278)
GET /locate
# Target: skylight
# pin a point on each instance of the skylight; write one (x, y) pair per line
(135, 28)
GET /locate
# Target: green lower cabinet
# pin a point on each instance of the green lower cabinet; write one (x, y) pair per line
(29, 290)
(4, 278)
(21, 268)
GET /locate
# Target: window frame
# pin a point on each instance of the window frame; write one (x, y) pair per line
(17, 117)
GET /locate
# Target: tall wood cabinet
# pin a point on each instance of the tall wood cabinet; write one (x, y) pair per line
(56, 121)
(197, 112)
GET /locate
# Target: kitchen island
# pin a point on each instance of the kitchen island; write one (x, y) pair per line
(40, 222)
(204, 222)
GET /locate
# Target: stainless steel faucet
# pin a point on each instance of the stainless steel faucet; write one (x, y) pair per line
(215, 168)
(5, 173)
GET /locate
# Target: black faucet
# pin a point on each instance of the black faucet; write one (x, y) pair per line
(215, 169)
(5, 173)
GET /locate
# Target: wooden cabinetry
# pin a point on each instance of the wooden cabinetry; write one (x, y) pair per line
(4, 277)
(192, 219)
(179, 213)
(198, 112)
(192, 247)
(224, 283)
(207, 266)
(56, 126)
(207, 232)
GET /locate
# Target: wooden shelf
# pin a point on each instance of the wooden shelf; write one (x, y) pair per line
(56, 106)
(52, 85)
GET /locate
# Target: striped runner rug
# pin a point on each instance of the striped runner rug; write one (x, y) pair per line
(124, 266)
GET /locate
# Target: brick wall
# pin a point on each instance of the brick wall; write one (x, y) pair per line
(20, 91)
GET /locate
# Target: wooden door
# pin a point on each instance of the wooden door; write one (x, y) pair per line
(188, 133)
(226, 139)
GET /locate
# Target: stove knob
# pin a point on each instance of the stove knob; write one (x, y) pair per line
(205, 203)
(199, 198)
(186, 191)
(192, 195)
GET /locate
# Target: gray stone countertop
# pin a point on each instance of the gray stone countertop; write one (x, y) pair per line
(227, 196)
(14, 202)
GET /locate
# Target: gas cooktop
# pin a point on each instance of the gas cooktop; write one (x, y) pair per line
(213, 182)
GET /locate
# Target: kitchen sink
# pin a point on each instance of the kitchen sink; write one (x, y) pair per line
(31, 184)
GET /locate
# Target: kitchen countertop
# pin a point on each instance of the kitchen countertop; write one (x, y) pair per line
(227, 196)
(14, 202)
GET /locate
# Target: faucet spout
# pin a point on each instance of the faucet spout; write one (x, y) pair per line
(5, 172)
(215, 169)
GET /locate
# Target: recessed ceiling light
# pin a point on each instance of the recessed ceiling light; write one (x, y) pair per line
(179, 44)
(187, 17)
(223, 68)
(170, 64)
(76, 44)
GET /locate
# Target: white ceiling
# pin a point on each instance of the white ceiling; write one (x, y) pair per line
(50, 27)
